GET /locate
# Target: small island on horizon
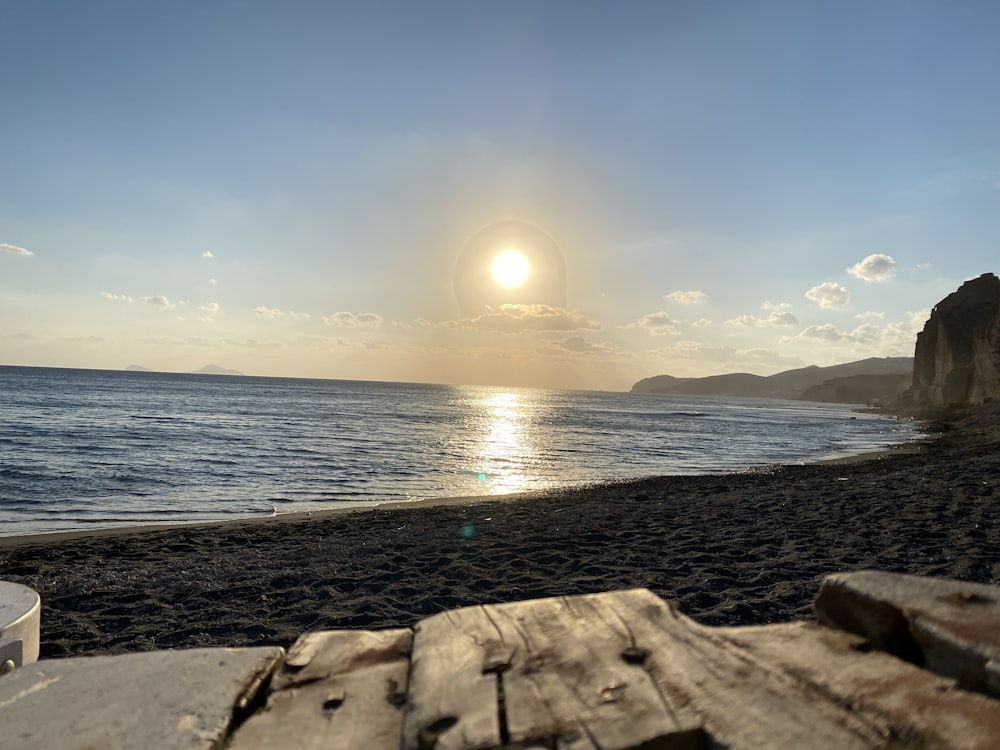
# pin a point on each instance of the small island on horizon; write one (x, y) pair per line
(209, 369)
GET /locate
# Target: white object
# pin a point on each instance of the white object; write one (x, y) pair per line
(20, 619)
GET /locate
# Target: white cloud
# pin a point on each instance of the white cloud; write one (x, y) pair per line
(213, 282)
(825, 332)
(275, 312)
(578, 345)
(658, 324)
(210, 307)
(207, 254)
(15, 250)
(870, 315)
(159, 301)
(782, 318)
(687, 297)
(923, 266)
(768, 305)
(865, 334)
(521, 318)
(776, 318)
(702, 322)
(877, 267)
(353, 320)
(117, 297)
(895, 339)
(829, 294)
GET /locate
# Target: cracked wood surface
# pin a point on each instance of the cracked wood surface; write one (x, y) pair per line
(610, 671)
(949, 627)
(339, 688)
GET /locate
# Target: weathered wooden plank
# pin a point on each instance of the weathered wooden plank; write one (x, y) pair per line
(949, 627)
(574, 673)
(911, 706)
(336, 689)
(175, 700)
(745, 703)
(557, 672)
(452, 703)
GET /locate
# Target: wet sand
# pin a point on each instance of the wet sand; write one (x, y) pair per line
(732, 549)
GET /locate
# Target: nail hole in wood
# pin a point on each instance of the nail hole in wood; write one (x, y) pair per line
(332, 704)
(429, 735)
(635, 656)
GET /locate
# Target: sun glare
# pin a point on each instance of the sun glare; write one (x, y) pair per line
(510, 268)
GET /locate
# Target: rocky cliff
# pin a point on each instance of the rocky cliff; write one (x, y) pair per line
(957, 358)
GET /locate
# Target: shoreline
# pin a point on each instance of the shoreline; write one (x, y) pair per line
(55, 537)
(731, 549)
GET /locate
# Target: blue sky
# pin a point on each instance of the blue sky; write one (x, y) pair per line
(286, 189)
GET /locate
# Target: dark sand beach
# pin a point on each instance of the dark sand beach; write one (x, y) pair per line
(732, 549)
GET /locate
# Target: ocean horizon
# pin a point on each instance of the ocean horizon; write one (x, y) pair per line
(87, 449)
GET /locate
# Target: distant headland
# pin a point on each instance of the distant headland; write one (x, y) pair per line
(868, 380)
(206, 370)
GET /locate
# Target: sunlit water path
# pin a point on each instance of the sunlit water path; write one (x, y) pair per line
(84, 449)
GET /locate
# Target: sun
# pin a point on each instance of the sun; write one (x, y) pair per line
(510, 268)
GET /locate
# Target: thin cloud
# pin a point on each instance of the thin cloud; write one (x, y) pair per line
(776, 318)
(768, 305)
(875, 268)
(353, 320)
(686, 349)
(829, 294)
(415, 323)
(691, 297)
(210, 307)
(658, 324)
(516, 319)
(159, 300)
(870, 315)
(15, 250)
(272, 313)
(578, 345)
(117, 297)
(208, 254)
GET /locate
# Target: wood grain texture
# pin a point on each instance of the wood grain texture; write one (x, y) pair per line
(337, 689)
(949, 627)
(556, 670)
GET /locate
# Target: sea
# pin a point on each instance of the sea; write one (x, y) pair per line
(85, 449)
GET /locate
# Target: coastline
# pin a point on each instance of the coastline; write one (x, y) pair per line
(731, 549)
(55, 537)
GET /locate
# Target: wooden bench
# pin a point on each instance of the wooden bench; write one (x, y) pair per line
(894, 661)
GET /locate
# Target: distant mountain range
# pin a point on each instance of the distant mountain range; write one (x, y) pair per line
(206, 370)
(875, 379)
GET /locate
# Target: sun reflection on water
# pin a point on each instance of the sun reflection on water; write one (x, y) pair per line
(506, 449)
